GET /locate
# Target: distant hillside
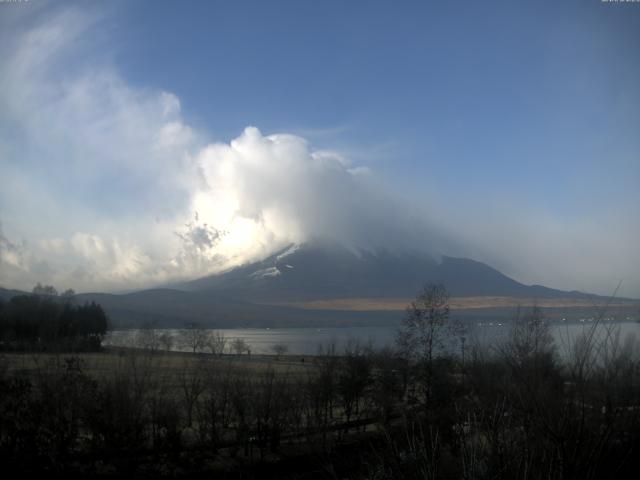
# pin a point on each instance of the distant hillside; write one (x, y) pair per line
(174, 308)
(6, 294)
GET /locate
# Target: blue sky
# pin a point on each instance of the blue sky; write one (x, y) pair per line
(510, 130)
(489, 92)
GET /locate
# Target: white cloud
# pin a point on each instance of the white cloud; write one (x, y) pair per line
(53, 245)
(101, 182)
(96, 175)
(275, 190)
(103, 179)
(11, 254)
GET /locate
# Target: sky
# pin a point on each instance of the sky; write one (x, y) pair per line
(143, 143)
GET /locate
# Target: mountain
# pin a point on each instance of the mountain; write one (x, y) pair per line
(312, 272)
(323, 285)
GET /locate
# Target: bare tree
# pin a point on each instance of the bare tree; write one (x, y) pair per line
(279, 349)
(424, 332)
(192, 386)
(194, 337)
(45, 290)
(68, 294)
(354, 377)
(530, 336)
(423, 326)
(214, 411)
(240, 346)
(216, 342)
(148, 338)
(166, 341)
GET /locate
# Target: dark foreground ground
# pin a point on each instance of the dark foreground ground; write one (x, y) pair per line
(511, 411)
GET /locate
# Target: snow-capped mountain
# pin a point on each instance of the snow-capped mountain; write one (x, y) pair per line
(311, 272)
(316, 285)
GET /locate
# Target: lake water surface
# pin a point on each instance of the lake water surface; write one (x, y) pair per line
(307, 341)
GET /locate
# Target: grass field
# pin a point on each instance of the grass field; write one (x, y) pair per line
(168, 364)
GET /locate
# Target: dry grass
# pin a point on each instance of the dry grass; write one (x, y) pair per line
(456, 303)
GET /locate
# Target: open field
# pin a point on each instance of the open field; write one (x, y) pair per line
(168, 364)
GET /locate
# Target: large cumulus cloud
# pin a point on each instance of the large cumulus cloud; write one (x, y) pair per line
(106, 186)
(270, 191)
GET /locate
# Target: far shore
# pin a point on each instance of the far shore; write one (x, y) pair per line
(456, 303)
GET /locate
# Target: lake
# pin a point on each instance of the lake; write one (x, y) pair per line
(307, 341)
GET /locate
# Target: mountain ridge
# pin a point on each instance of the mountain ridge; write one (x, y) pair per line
(311, 285)
(308, 272)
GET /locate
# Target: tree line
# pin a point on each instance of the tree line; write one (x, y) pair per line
(45, 320)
